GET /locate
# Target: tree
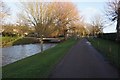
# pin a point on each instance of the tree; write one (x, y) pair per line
(77, 29)
(8, 28)
(66, 14)
(22, 30)
(97, 24)
(4, 10)
(48, 17)
(22, 27)
(41, 17)
(113, 13)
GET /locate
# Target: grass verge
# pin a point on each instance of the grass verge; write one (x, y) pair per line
(39, 65)
(7, 41)
(11, 41)
(110, 49)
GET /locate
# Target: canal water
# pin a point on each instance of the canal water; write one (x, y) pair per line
(15, 53)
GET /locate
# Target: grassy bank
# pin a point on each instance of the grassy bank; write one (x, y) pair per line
(39, 65)
(11, 41)
(7, 41)
(110, 49)
(25, 40)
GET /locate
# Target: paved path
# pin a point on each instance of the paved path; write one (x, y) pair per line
(83, 61)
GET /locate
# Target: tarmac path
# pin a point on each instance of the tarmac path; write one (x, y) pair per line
(84, 61)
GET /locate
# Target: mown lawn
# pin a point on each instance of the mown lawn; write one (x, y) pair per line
(39, 65)
(110, 49)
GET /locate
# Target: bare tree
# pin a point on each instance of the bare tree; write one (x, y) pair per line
(22, 26)
(8, 28)
(77, 28)
(97, 24)
(41, 17)
(48, 17)
(4, 10)
(113, 13)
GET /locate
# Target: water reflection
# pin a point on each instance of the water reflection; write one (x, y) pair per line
(14, 53)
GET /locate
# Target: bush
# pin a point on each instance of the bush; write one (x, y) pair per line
(9, 34)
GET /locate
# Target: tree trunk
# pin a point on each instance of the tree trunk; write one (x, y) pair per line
(41, 43)
(93, 31)
(65, 34)
(118, 26)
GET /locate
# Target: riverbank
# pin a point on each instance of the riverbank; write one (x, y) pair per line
(7, 41)
(25, 40)
(11, 41)
(39, 65)
(110, 49)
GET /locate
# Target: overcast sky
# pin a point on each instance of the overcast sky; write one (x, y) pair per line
(87, 8)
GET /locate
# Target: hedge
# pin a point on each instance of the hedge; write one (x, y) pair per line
(108, 36)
